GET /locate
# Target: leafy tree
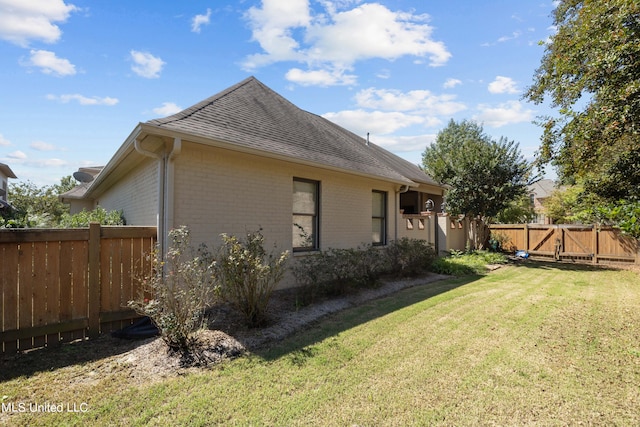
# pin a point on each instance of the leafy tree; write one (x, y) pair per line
(485, 176)
(591, 73)
(564, 205)
(99, 214)
(625, 215)
(519, 211)
(38, 206)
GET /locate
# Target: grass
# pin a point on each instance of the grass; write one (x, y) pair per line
(540, 344)
(463, 263)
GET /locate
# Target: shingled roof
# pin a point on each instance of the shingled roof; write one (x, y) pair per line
(251, 115)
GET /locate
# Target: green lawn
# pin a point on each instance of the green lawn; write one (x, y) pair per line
(539, 344)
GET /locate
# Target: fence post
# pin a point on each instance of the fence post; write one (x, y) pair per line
(526, 237)
(94, 279)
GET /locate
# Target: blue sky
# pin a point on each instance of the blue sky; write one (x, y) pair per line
(77, 76)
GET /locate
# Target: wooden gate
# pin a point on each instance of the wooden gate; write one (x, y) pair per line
(586, 243)
(563, 242)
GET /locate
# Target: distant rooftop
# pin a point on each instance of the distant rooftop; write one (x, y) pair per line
(543, 188)
(6, 171)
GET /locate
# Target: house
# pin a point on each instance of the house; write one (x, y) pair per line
(75, 197)
(539, 192)
(5, 174)
(246, 158)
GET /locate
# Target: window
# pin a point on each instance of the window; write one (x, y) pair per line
(379, 217)
(305, 214)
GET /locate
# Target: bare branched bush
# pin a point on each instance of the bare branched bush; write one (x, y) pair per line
(176, 295)
(248, 275)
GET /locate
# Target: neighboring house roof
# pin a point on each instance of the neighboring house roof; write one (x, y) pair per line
(76, 192)
(6, 171)
(250, 117)
(543, 188)
(79, 191)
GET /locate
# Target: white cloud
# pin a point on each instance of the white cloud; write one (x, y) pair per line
(414, 100)
(320, 77)
(376, 122)
(4, 142)
(146, 65)
(17, 155)
(373, 31)
(272, 27)
(383, 74)
(83, 100)
(513, 36)
(51, 162)
(404, 144)
(451, 83)
(49, 63)
(503, 85)
(504, 114)
(42, 146)
(20, 158)
(200, 20)
(335, 40)
(167, 109)
(22, 21)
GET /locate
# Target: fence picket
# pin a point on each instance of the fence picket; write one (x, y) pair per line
(51, 282)
(66, 285)
(10, 292)
(26, 291)
(37, 275)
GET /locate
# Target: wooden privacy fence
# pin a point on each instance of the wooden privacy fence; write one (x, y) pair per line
(588, 243)
(67, 284)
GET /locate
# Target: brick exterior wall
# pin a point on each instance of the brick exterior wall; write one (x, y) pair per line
(136, 194)
(220, 191)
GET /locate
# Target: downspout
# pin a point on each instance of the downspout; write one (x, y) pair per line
(170, 185)
(402, 189)
(161, 199)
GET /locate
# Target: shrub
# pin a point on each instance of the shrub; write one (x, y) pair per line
(462, 264)
(99, 214)
(409, 257)
(248, 275)
(497, 242)
(338, 271)
(179, 291)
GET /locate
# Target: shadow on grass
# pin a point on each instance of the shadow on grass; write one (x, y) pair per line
(298, 345)
(64, 355)
(568, 265)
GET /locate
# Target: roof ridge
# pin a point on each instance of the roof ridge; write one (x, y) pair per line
(193, 109)
(251, 115)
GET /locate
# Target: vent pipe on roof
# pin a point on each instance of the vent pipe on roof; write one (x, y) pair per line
(367, 139)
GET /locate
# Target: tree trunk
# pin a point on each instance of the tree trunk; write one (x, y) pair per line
(478, 233)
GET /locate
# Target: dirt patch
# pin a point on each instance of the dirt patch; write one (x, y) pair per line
(228, 337)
